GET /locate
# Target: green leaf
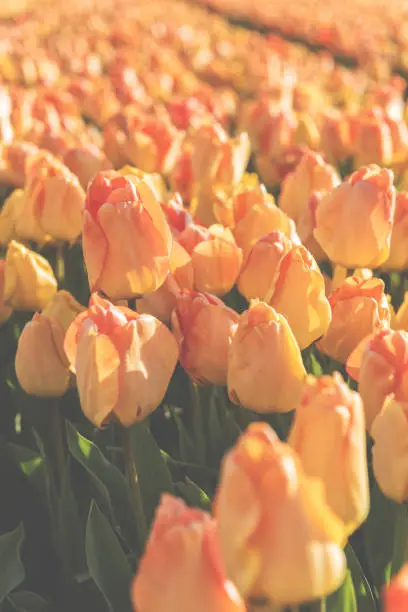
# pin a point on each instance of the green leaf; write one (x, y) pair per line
(344, 599)
(32, 465)
(110, 483)
(378, 533)
(365, 598)
(25, 601)
(186, 446)
(193, 494)
(153, 473)
(69, 527)
(12, 570)
(107, 562)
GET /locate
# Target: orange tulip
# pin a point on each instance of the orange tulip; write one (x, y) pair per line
(182, 556)
(311, 174)
(5, 310)
(29, 282)
(203, 327)
(127, 242)
(286, 275)
(354, 220)
(42, 367)
(13, 158)
(390, 456)
(395, 595)
(359, 308)
(306, 224)
(371, 138)
(380, 365)
(123, 361)
(54, 197)
(398, 257)
(335, 136)
(85, 162)
(265, 368)
(279, 538)
(329, 436)
(401, 317)
(215, 256)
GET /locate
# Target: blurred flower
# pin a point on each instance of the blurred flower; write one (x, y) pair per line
(203, 327)
(328, 434)
(354, 220)
(395, 595)
(265, 368)
(335, 136)
(182, 556)
(286, 275)
(311, 174)
(215, 257)
(29, 282)
(126, 239)
(123, 362)
(359, 308)
(401, 317)
(5, 310)
(278, 536)
(398, 257)
(380, 365)
(371, 138)
(13, 158)
(42, 367)
(85, 162)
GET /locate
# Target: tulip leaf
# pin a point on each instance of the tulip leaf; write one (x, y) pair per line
(193, 494)
(378, 533)
(25, 601)
(31, 464)
(342, 600)
(69, 527)
(12, 570)
(107, 562)
(365, 598)
(110, 484)
(186, 446)
(153, 473)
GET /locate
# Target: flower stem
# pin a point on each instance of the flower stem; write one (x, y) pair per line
(134, 489)
(60, 449)
(400, 553)
(60, 265)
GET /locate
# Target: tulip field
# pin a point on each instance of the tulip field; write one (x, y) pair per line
(203, 306)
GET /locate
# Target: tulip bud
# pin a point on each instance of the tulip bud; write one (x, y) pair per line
(371, 138)
(354, 220)
(54, 197)
(10, 212)
(13, 158)
(203, 327)
(215, 256)
(335, 136)
(126, 239)
(395, 595)
(265, 368)
(311, 174)
(279, 538)
(379, 364)
(123, 361)
(329, 436)
(306, 224)
(85, 162)
(401, 317)
(359, 308)
(390, 457)
(29, 282)
(5, 310)
(182, 555)
(42, 367)
(285, 275)
(398, 257)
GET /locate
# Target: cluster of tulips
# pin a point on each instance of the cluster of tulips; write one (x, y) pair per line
(262, 316)
(371, 32)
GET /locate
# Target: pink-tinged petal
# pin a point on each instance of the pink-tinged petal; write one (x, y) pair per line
(95, 247)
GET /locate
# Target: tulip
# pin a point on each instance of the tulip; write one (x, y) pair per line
(401, 317)
(154, 180)
(42, 367)
(254, 214)
(286, 275)
(203, 327)
(29, 282)
(279, 538)
(306, 224)
(13, 158)
(123, 362)
(126, 239)
(182, 556)
(371, 138)
(215, 257)
(265, 368)
(359, 308)
(5, 310)
(54, 197)
(395, 595)
(390, 456)
(307, 133)
(379, 364)
(335, 136)
(354, 220)
(162, 302)
(398, 257)
(311, 174)
(10, 212)
(176, 215)
(85, 162)
(329, 436)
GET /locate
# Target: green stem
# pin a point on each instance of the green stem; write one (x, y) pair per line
(60, 445)
(60, 265)
(135, 493)
(400, 552)
(323, 605)
(198, 425)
